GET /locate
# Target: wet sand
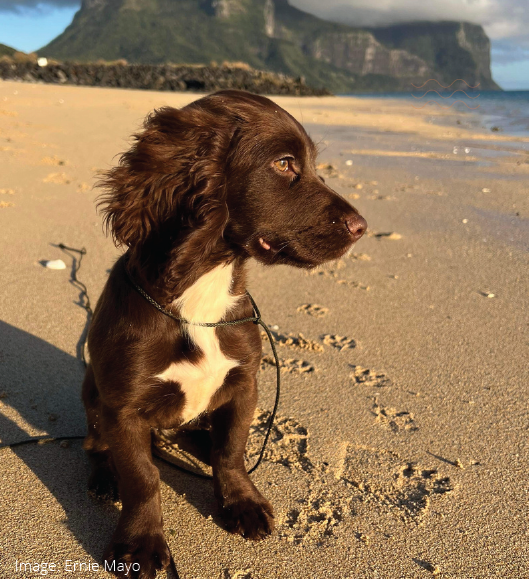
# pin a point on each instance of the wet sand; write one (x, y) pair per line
(401, 446)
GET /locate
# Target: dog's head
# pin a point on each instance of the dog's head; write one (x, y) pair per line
(231, 175)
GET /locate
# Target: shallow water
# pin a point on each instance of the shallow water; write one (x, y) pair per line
(507, 111)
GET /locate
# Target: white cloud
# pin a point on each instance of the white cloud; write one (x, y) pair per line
(500, 18)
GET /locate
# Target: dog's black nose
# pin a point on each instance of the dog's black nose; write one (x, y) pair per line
(356, 225)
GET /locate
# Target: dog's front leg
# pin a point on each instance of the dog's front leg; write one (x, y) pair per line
(138, 547)
(244, 508)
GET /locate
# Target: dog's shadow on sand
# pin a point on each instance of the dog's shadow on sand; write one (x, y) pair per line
(40, 386)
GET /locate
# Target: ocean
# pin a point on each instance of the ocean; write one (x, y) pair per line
(502, 111)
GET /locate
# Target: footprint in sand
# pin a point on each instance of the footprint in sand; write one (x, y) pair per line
(323, 273)
(315, 517)
(57, 179)
(340, 342)
(353, 284)
(401, 487)
(288, 366)
(294, 341)
(393, 419)
(313, 310)
(4, 204)
(368, 377)
(52, 161)
(288, 442)
(329, 269)
(333, 274)
(83, 187)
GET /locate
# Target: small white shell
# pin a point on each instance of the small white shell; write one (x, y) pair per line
(488, 294)
(55, 264)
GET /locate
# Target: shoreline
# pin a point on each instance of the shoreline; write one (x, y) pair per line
(491, 114)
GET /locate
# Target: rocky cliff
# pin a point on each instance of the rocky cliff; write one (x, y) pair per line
(272, 35)
(451, 50)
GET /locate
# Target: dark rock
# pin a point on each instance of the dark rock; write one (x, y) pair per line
(158, 77)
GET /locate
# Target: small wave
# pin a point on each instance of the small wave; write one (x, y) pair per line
(456, 80)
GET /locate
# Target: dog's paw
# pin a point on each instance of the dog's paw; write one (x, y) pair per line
(138, 557)
(102, 484)
(250, 517)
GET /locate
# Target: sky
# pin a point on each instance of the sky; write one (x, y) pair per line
(30, 24)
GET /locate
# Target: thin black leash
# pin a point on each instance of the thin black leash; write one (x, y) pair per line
(84, 299)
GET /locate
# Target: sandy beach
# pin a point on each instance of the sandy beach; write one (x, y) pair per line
(401, 446)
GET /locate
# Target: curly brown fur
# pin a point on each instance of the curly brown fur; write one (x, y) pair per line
(228, 177)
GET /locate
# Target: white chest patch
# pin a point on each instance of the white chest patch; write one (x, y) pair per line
(207, 300)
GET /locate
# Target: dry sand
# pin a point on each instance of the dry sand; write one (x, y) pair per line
(402, 442)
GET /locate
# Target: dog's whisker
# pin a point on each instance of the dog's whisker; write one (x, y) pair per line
(283, 246)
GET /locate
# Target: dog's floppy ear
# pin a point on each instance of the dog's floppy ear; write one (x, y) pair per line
(172, 178)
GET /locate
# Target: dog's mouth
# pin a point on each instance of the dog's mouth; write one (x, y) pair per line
(298, 252)
(270, 245)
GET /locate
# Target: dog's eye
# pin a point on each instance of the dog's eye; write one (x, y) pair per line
(283, 165)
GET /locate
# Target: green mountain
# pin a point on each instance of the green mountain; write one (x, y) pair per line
(272, 35)
(6, 50)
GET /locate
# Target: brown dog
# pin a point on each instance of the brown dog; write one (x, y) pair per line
(204, 188)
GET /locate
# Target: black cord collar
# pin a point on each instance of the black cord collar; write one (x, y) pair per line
(256, 320)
